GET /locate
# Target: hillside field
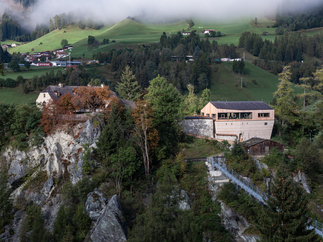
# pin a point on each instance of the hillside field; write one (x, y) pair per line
(226, 85)
(130, 32)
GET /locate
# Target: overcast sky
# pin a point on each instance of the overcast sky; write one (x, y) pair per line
(116, 10)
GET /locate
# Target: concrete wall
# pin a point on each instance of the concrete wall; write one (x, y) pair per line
(196, 126)
(247, 129)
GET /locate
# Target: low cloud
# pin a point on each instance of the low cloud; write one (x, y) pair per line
(108, 10)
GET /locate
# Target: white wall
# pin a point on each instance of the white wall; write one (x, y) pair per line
(43, 96)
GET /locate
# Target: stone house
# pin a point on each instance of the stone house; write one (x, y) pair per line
(52, 93)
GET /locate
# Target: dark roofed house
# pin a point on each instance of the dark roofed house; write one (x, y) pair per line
(55, 93)
(260, 147)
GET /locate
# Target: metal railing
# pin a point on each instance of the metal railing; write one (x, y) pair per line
(200, 159)
(219, 163)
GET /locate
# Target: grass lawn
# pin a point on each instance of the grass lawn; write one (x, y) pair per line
(15, 96)
(34, 71)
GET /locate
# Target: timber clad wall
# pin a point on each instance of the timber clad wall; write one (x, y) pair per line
(232, 120)
(261, 147)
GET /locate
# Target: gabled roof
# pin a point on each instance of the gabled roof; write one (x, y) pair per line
(247, 105)
(254, 141)
(59, 89)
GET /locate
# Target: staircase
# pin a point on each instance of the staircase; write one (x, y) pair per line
(218, 163)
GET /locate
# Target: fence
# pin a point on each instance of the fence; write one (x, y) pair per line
(252, 190)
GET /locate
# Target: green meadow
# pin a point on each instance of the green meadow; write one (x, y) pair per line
(129, 32)
(34, 71)
(258, 85)
(15, 96)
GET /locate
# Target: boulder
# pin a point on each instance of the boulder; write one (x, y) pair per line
(111, 225)
(185, 203)
(95, 204)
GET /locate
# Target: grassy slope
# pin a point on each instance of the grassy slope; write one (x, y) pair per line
(225, 85)
(52, 40)
(131, 32)
(14, 95)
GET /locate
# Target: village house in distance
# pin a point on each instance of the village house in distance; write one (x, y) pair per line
(232, 121)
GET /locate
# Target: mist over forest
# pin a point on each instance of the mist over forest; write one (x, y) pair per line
(150, 11)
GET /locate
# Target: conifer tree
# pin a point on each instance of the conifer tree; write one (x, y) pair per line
(128, 88)
(163, 220)
(285, 218)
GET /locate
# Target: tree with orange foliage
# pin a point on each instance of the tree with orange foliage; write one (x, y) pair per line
(145, 135)
(50, 117)
(56, 113)
(92, 98)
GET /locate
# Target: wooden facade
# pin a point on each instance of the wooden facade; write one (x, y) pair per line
(261, 147)
(240, 120)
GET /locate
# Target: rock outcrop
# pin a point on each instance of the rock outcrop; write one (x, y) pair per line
(95, 203)
(111, 225)
(60, 152)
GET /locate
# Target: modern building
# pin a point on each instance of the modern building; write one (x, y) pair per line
(240, 120)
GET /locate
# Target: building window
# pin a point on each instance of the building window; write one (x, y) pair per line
(202, 114)
(247, 115)
(263, 115)
(222, 116)
(208, 115)
(213, 115)
(44, 95)
(266, 123)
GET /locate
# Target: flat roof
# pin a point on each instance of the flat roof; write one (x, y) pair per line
(242, 105)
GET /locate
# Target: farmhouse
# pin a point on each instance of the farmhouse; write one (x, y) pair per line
(232, 121)
(207, 31)
(14, 45)
(54, 93)
(5, 46)
(186, 33)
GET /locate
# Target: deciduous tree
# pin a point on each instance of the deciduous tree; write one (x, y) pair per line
(64, 42)
(145, 134)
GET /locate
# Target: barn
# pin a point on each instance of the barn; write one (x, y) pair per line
(261, 147)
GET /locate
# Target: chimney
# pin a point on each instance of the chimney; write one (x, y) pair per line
(60, 84)
(102, 85)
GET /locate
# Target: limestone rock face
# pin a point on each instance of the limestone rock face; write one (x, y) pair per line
(111, 225)
(60, 152)
(95, 204)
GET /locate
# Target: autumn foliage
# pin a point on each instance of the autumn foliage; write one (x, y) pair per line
(145, 135)
(83, 99)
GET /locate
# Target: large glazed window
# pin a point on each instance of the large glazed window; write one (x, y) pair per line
(244, 115)
(263, 115)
